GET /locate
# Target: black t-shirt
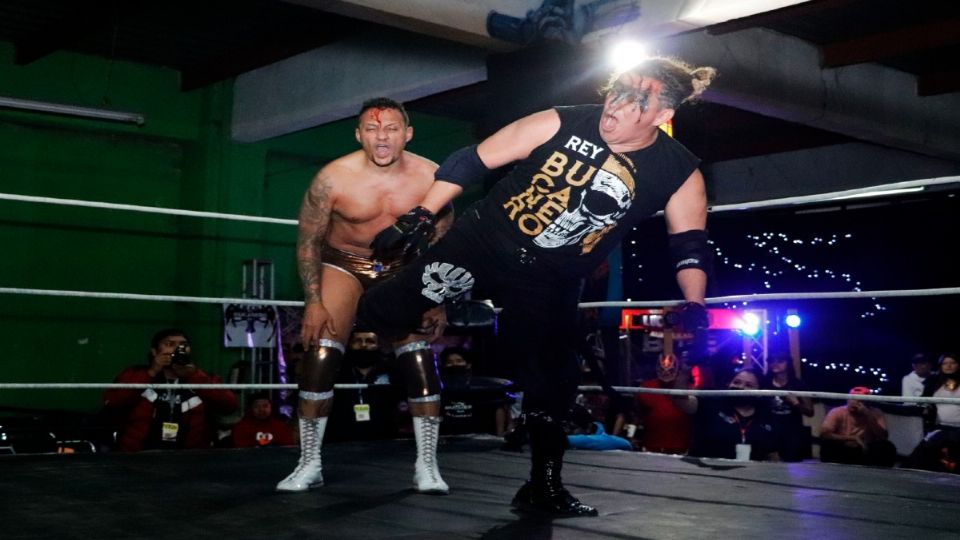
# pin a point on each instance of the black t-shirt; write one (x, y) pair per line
(781, 413)
(381, 397)
(470, 403)
(718, 429)
(573, 199)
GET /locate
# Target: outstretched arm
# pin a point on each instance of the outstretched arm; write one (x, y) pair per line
(315, 212)
(687, 211)
(511, 143)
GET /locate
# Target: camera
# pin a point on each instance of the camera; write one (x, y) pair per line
(180, 356)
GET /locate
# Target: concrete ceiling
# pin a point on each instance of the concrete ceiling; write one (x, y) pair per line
(812, 96)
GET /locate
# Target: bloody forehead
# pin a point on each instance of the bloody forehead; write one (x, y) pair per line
(376, 114)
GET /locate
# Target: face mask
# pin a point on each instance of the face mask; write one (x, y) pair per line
(456, 371)
(744, 401)
(364, 359)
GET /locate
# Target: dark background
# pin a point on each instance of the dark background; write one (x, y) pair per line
(904, 243)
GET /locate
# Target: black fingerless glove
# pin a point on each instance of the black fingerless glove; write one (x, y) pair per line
(692, 319)
(405, 235)
(689, 316)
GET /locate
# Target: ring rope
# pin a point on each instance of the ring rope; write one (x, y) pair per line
(149, 297)
(146, 209)
(785, 201)
(782, 296)
(621, 389)
(824, 197)
(613, 303)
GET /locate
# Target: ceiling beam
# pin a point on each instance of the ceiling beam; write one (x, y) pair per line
(257, 55)
(778, 15)
(86, 18)
(886, 45)
(775, 75)
(328, 83)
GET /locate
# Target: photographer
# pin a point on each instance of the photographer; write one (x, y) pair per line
(167, 419)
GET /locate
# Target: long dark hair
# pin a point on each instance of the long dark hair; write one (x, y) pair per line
(932, 384)
(767, 381)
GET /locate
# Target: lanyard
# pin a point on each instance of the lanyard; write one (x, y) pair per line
(743, 428)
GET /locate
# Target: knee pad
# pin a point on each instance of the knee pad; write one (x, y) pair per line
(419, 367)
(319, 370)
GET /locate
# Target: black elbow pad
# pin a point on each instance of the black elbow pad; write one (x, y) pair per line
(690, 249)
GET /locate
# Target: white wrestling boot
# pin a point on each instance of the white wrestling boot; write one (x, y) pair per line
(309, 471)
(426, 476)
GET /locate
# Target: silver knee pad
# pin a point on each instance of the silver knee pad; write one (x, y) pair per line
(319, 370)
(419, 366)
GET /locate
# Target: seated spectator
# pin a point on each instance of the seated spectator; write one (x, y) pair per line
(260, 427)
(472, 404)
(665, 427)
(792, 437)
(722, 425)
(913, 383)
(588, 434)
(856, 434)
(605, 406)
(939, 451)
(152, 419)
(364, 413)
(944, 416)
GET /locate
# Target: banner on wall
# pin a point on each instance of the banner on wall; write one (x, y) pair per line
(250, 325)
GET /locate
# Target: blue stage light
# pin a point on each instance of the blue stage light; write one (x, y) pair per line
(793, 320)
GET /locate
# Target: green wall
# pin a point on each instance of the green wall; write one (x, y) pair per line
(182, 157)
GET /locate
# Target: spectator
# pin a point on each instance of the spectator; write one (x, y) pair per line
(786, 413)
(730, 426)
(260, 427)
(169, 418)
(666, 427)
(939, 451)
(605, 406)
(946, 384)
(365, 413)
(856, 434)
(912, 384)
(472, 404)
(588, 434)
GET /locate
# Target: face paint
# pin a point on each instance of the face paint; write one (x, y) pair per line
(622, 94)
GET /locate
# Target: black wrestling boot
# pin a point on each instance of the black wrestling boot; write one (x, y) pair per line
(514, 439)
(547, 495)
(544, 492)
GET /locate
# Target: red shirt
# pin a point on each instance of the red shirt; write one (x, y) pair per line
(251, 431)
(666, 428)
(138, 406)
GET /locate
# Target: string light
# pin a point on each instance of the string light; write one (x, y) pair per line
(880, 377)
(781, 266)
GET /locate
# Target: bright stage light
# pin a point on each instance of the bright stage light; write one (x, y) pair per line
(750, 324)
(626, 54)
(793, 320)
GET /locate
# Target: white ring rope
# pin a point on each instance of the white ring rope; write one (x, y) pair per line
(826, 197)
(652, 303)
(780, 296)
(717, 208)
(150, 297)
(613, 303)
(621, 389)
(145, 209)
(786, 201)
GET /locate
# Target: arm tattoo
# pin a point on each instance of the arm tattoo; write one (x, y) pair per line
(314, 219)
